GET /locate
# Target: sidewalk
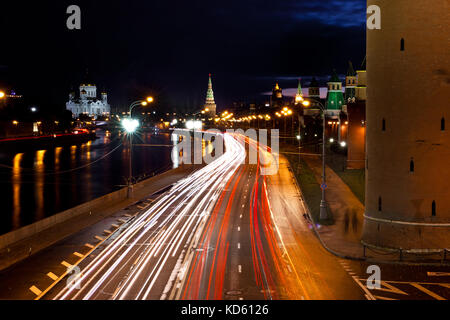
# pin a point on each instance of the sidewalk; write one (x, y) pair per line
(24, 248)
(343, 238)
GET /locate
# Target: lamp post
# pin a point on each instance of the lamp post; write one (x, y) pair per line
(323, 203)
(130, 125)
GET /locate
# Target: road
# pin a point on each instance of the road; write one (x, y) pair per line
(225, 232)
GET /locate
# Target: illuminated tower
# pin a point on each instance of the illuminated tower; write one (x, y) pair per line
(277, 97)
(350, 84)
(299, 94)
(210, 105)
(408, 142)
(314, 89)
(335, 98)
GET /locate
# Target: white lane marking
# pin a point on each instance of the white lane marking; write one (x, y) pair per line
(369, 296)
(243, 205)
(239, 228)
(240, 268)
(240, 216)
(239, 245)
(52, 276)
(438, 274)
(430, 293)
(35, 290)
(78, 254)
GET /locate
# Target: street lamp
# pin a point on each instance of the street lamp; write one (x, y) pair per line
(2, 95)
(130, 125)
(323, 203)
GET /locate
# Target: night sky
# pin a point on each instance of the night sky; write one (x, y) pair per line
(167, 48)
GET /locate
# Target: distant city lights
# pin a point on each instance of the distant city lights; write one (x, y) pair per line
(191, 124)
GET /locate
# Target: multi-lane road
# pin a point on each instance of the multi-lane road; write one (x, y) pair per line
(225, 232)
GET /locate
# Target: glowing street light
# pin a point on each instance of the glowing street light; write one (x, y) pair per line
(130, 125)
(2, 95)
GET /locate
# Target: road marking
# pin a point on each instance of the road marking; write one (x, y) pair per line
(115, 225)
(240, 268)
(127, 215)
(52, 276)
(239, 228)
(78, 254)
(89, 245)
(438, 274)
(384, 298)
(121, 220)
(107, 231)
(35, 290)
(369, 296)
(243, 205)
(99, 238)
(66, 264)
(430, 293)
(239, 245)
(240, 216)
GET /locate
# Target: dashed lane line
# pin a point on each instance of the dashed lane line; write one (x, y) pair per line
(52, 276)
(79, 255)
(35, 290)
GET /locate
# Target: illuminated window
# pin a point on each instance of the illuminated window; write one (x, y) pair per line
(379, 204)
(433, 209)
(443, 124)
(402, 45)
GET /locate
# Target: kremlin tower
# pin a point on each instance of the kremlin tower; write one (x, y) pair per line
(210, 104)
(408, 142)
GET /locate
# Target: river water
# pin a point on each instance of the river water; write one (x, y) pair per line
(39, 183)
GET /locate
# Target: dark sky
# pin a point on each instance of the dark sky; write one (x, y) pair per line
(167, 48)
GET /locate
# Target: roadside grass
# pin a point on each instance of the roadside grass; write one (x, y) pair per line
(354, 178)
(310, 188)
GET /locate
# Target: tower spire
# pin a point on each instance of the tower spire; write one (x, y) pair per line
(299, 89)
(210, 104)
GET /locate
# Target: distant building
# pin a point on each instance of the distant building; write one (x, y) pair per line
(276, 100)
(210, 105)
(356, 114)
(88, 103)
(350, 84)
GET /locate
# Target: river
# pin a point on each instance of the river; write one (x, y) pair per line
(36, 184)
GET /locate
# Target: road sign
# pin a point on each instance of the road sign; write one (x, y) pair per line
(323, 186)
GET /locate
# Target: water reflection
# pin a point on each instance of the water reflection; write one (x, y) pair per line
(16, 182)
(39, 183)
